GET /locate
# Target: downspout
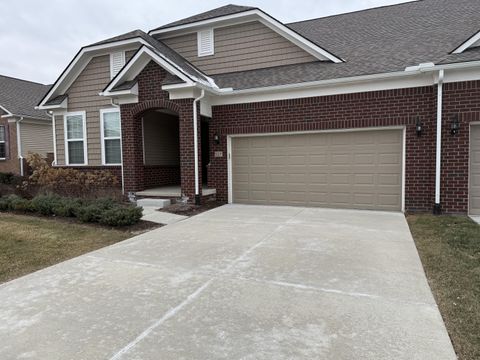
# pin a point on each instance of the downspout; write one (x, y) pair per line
(195, 144)
(54, 163)
(19, 145)
(438, 156)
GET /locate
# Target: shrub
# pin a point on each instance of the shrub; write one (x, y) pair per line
(89, 213)
(20, 204)
(6, 178)
(67, 181)
(121, 216)
(67, 207)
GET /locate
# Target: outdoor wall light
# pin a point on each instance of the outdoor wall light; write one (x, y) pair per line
(419, 127)
(216, 139)
(455, 126)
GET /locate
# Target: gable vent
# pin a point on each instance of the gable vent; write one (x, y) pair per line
(117, 61)
(205, 42)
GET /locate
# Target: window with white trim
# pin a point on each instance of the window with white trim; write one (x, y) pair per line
(75, 138)
(111, 137)
(205, 42)
(3, 143)
(117, 62)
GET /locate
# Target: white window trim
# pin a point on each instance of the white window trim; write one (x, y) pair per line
(112, 75)
(67, 140)
(212, 35)
(103, 138)
(4, 142)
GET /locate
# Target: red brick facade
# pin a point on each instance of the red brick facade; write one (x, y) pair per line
(157, 175)
(399, 107)
(151, 96)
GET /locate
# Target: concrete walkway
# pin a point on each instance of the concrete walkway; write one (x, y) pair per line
(237, 282)
(151, 213)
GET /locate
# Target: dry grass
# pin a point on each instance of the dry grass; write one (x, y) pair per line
(449, 247)
(28, 243)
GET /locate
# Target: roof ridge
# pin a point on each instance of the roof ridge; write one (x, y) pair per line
(18, 79)
(356, 11)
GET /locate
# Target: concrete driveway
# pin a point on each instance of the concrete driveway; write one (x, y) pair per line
(237, 282)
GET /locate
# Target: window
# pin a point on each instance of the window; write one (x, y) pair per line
(117, 61)
(75, 138)
(111, 137)
(205, 42)
(3, 143)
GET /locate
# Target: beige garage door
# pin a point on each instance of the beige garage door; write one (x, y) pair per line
(358, 169)
(475, 170)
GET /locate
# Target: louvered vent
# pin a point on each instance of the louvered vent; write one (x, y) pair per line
(117, 61)
(205, 42)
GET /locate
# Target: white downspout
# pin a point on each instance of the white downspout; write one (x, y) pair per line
(438, 157)
(19, 145)
(54, 140)
(195, 144)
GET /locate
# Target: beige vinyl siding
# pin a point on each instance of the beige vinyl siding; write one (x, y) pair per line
(83, 96)
(474, 170)
(36, 138)
(60, 138)
(241, 47)
(161, 139)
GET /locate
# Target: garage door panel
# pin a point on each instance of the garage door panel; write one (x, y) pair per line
(346, 169)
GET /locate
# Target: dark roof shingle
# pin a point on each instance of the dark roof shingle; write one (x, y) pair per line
(211, 14)
(20, 97)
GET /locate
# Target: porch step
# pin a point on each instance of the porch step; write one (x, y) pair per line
(151, 202)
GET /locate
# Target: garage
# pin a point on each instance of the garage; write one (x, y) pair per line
(342, 169)
(474, 170)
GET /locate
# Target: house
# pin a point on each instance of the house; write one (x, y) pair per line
(22, 128)
(375, 109)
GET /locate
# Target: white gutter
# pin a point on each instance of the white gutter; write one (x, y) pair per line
(438, 154)
(195, 144)
(19, 145)
(54, 163)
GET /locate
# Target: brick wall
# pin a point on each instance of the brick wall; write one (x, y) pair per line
(462, 99)
(11, 163)
(379, 108)
(157, 175)
(151, 96)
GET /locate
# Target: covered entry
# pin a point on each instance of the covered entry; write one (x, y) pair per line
(344, 169)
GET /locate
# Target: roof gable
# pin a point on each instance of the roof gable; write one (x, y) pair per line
(244, 16)
(472, 42)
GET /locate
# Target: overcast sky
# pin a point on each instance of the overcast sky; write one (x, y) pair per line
(38, 38)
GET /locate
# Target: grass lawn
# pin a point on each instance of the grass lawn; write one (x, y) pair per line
(30, 243)
(449, 247)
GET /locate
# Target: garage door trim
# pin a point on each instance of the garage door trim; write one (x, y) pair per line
(475, 124)
(229, 150)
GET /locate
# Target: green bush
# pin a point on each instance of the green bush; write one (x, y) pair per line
(6, 178)
(103, 211)
(121, 216)
(45, 204)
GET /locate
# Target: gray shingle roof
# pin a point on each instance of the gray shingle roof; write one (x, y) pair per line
(20, 97)
(211, 14)
(379, 40)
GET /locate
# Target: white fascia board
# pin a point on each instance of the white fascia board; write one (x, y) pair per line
(129, 92)
(8, 113)
(388, 81)
(136, 65)
(79, 62)
(62, 105)
(472, 41)
(267, 20)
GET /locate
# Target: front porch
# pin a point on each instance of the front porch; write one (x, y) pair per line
(171, 191)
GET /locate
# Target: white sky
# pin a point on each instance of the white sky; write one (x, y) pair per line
(38, 38)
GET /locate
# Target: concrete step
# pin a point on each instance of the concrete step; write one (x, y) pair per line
(151, 202)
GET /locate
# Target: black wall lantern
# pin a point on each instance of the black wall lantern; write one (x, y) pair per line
(419, 127)
(455, 126)
(216, 139)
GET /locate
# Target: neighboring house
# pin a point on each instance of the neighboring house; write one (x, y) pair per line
(22, 128)
(375, 109)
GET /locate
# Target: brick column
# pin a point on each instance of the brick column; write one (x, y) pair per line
(132, 150)
(187, 158)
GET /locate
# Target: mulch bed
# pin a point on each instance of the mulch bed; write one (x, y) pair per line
(190, 209)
